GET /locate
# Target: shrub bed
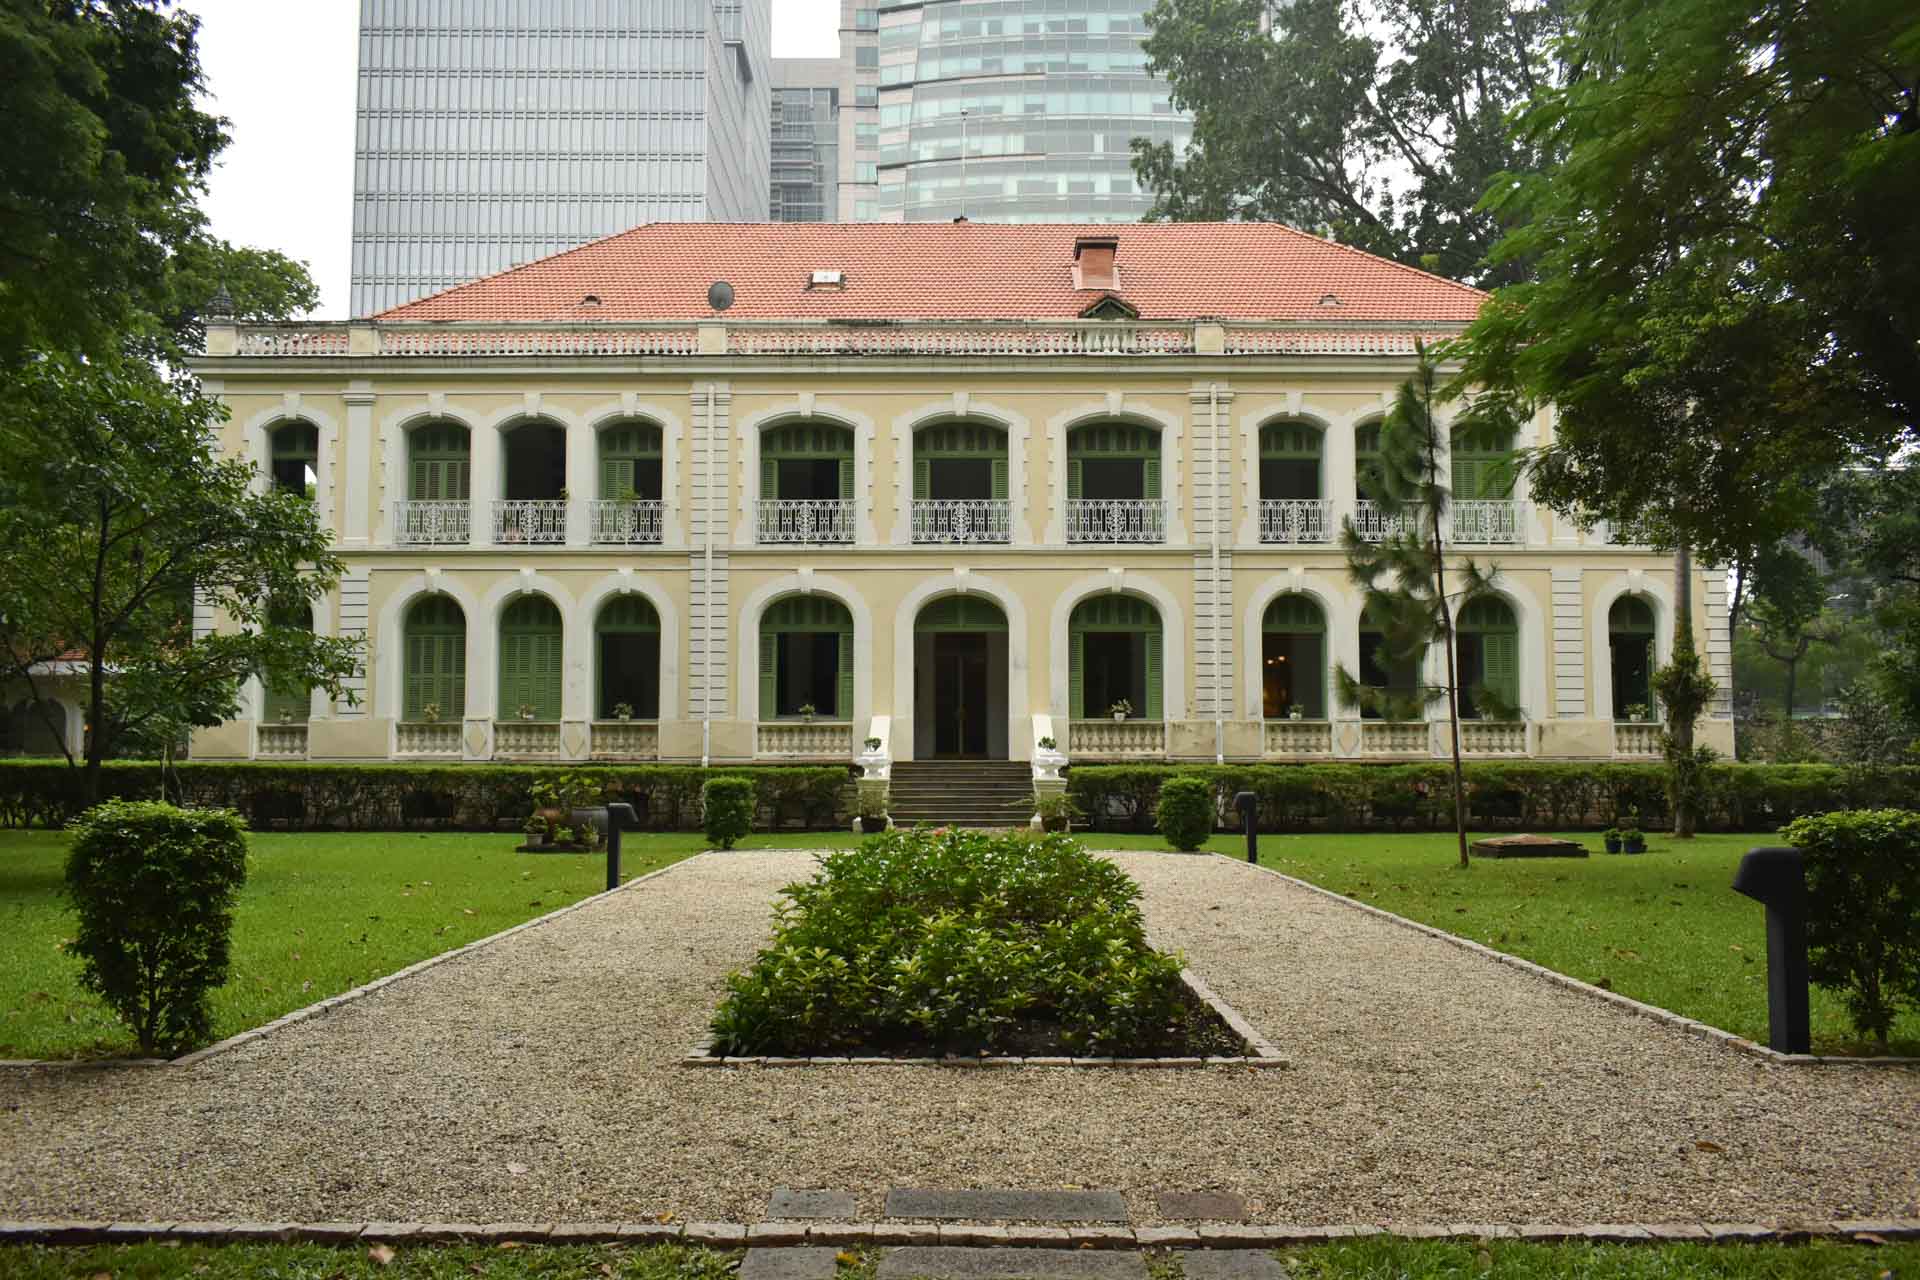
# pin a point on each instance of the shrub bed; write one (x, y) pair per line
(1863, 911)
(928, 942)
(1517, 795)
(397, 797)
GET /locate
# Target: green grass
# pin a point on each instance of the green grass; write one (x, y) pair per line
(1663, 927)
(1376, 1259)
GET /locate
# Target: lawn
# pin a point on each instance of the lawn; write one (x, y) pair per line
(1662, 927)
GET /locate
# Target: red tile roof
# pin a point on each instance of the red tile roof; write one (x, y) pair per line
(952, 271)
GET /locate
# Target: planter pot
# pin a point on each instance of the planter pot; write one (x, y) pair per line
(1119, 716)
(1613, 844)
(1636, 844)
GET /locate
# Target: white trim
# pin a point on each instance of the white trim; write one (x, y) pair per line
(746, 531)
(389, 638)
(1600, 640)
(1256, 414)
(673, 429)
(395, 432)
(791, 584)
(580, 647)
(257, 441)
(573, 679)
(1536, 646)
(1015, 426)
(1173, 472)
(1019, 682)
(1173, 646)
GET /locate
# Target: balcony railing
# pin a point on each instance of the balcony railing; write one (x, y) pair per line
(807, 521)
(281, 742)
(1145, 739)
(627, 522)
(626, 740)
(1637, 738)
(1375, 525)
(1395, 738)
(542, 521)
(436, 738)
(1292, 520)
(1493, 737)
(1299, 738)
(805, 740)
(962, 520)
(1116, 520)
(432, 523)
(527, 739)
(1492, 523)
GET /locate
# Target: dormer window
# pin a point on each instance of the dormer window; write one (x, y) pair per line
(1110, 307)
(827, 280)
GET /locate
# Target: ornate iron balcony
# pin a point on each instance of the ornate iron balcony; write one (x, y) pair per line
(1296, 520)
(1116, 520)
(807, 521)
(432, 523)
(630, 521)
(962, 520)
(542, 521)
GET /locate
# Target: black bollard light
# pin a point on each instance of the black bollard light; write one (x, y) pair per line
(618, 816)
(1249, 806)
(1777, 878)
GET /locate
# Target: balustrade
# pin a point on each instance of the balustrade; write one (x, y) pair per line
(1116, 520)
(527, 739)
(281, 742)
(627, 521)
(1142, 739)
(1299, 738)
(1493, 737)
(1636, 738)
(427, 738)
(962, 520)
(1395, 738)
(807, 521)
(626, 740)
(541, 521)
(1490, 523)
(801, 739)
(432, 523)
(1291, 520)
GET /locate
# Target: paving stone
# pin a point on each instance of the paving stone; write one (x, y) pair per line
(205, 1230)
(123, 1231)
(720, 1235)
(1616, 1233)
(389, 1231)
(776, 1235)
(1167, 1237)
(1231, 1264)
(523, 1232)
(1095, 1237)
(975, 1235)
(906, 1233)
(787, 1203)
(940, 1263)
(1676, 1231)
(649, 1233)
(1233, 1237)
(68, 1231)
(1479, 1231)
(1739, 1233)
(584, 1233)
(1040, 1237)
(331, 1232)
(1890, 1228)
(1221, 1205)
(788, 1264)
(1546, 1232)
(1034, 1206)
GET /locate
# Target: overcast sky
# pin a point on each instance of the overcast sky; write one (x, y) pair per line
(283, 72)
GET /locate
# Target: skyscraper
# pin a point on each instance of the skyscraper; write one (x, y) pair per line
(493, 132)
(806, 140)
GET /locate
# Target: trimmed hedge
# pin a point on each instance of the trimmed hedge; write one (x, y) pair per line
(399, 797)
(1533, 795)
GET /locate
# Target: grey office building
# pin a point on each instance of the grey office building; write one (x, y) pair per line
(493, 132)
(806, 140)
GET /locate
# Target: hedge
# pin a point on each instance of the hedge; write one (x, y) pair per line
(1521, 795)
(398, 797)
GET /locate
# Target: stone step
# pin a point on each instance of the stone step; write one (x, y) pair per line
(953, 1262)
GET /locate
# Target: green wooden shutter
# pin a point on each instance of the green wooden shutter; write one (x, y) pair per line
(546, 656)
(1154, 666)
(616, 477)
(1502, 660)
(769, 652)
(513, 676)
(459, 471)
(769, 478)
(1153, 477)
(419, 651)
(1076, 667)
(1468, 477)
(453, 667)
(843, 694)
(420, 479)
(922, 479)
(1073, 479)
(846, 479)
(1000, 479)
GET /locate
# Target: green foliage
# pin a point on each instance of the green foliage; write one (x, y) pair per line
(1348, 119)
(1684, 689)
(728, 803)
(1056, 811)
(153, 887)
(1870, 527)
(956, 941)
(1863, 910)
(1185, 812)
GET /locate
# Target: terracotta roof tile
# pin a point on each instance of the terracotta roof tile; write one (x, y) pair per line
(954, 271)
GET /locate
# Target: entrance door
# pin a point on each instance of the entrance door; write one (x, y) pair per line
(959, 694)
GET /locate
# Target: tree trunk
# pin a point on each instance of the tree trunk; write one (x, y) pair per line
(1453, 689)
(1793, 669)
(1681, 728)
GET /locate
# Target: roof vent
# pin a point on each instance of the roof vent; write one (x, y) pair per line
(1093, 266)
(827, 280)
(591, 300)
(1330, 300)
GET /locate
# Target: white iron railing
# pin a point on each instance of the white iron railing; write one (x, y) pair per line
(1299, 738)
(626, 740)
(1395, 738)
(530, 739)
(1116, 520)
(281, 742)
(1493, 737)
(427, 738)
(541, 521)
(627, 521)
(800, 739)
(1491, 523)
(812, 521)
(1637, 738)
(1375, 525)
(962, 520)
(434, 523)
(1110, 737)
(1296, 520)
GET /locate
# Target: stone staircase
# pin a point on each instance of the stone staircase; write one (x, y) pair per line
(962, 793)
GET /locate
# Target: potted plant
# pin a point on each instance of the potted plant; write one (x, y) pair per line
(872, 744)
(286, 715)
(563, 835)
(536, 829)
(1631, 839)
(623, 711)
(807, 712)
(1121, 710)
(1056, 811)
(526, 710)
(1047, 744)
(1293, 713)
(1639, 713)
(1612, 838)
(431, 713)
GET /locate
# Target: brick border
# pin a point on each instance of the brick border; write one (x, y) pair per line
(726, 1235)
(1680, 1022)
(345, 997)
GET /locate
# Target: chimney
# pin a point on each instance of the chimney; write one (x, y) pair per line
(1093, 262)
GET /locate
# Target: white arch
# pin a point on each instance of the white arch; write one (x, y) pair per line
(579, 641)
(961, 407)
(1019, 681)
(803, 408)
(389, 642)
(574, 678)
(1341, 612)
(1118, 408)
(1535, 652)
(396, 432)
(257, 440)
(583, 458)
(806, 583)
(1599, 644)
(1173, 647)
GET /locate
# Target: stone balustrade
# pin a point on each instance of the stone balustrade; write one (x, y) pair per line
(1117, 739)
(805, 740)
(625, 740)
(1298, 738)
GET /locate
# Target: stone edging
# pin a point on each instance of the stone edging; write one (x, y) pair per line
(1680, 1022)
(726, 1235)
(345, 997)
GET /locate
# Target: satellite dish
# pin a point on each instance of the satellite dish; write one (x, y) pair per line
(720, 295)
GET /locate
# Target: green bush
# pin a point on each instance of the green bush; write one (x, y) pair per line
(957, 941)
(1863, 910)
(728, 803)
(1185, 811)
(154, 888)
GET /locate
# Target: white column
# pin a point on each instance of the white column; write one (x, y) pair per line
(1337, 461)
(583, 485)
(487, 484)
(356, 525)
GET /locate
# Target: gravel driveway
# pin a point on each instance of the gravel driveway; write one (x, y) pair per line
(535, 1080)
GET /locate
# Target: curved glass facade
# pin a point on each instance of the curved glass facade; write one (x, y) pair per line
(1016, 110)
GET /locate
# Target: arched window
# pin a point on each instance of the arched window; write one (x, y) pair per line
(1293, 659)
(1289, 461)
(436, 661)
(806, 659)
(1115, 654)
(1482, 468)
(289, 704)
(627, 640)
(1367, 481)
(296, 458)
(1397, 678)
(630, 462)
(1113, 484)
(1630, 635)
(960, 483)
(530, 660)
(535, 455)
(1487, 657)
(806, 484)
(439, 463)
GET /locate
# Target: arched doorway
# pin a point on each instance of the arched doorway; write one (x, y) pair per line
(1488, 650)
(288, 704)
(1116, 655)
(530, 640)
(435, 680)
(960, 680)
(806, 659)
(1630, 635)
(627, 652)
(1293, 659)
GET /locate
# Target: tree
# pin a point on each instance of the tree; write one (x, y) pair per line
(1870, 526)
(1414, 610)
(1788, 611)
(1377, 122)
(116, 514)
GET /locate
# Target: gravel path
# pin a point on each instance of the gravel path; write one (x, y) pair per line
(535, 1081)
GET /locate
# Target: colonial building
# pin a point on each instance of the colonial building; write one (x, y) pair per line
(763, 492)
